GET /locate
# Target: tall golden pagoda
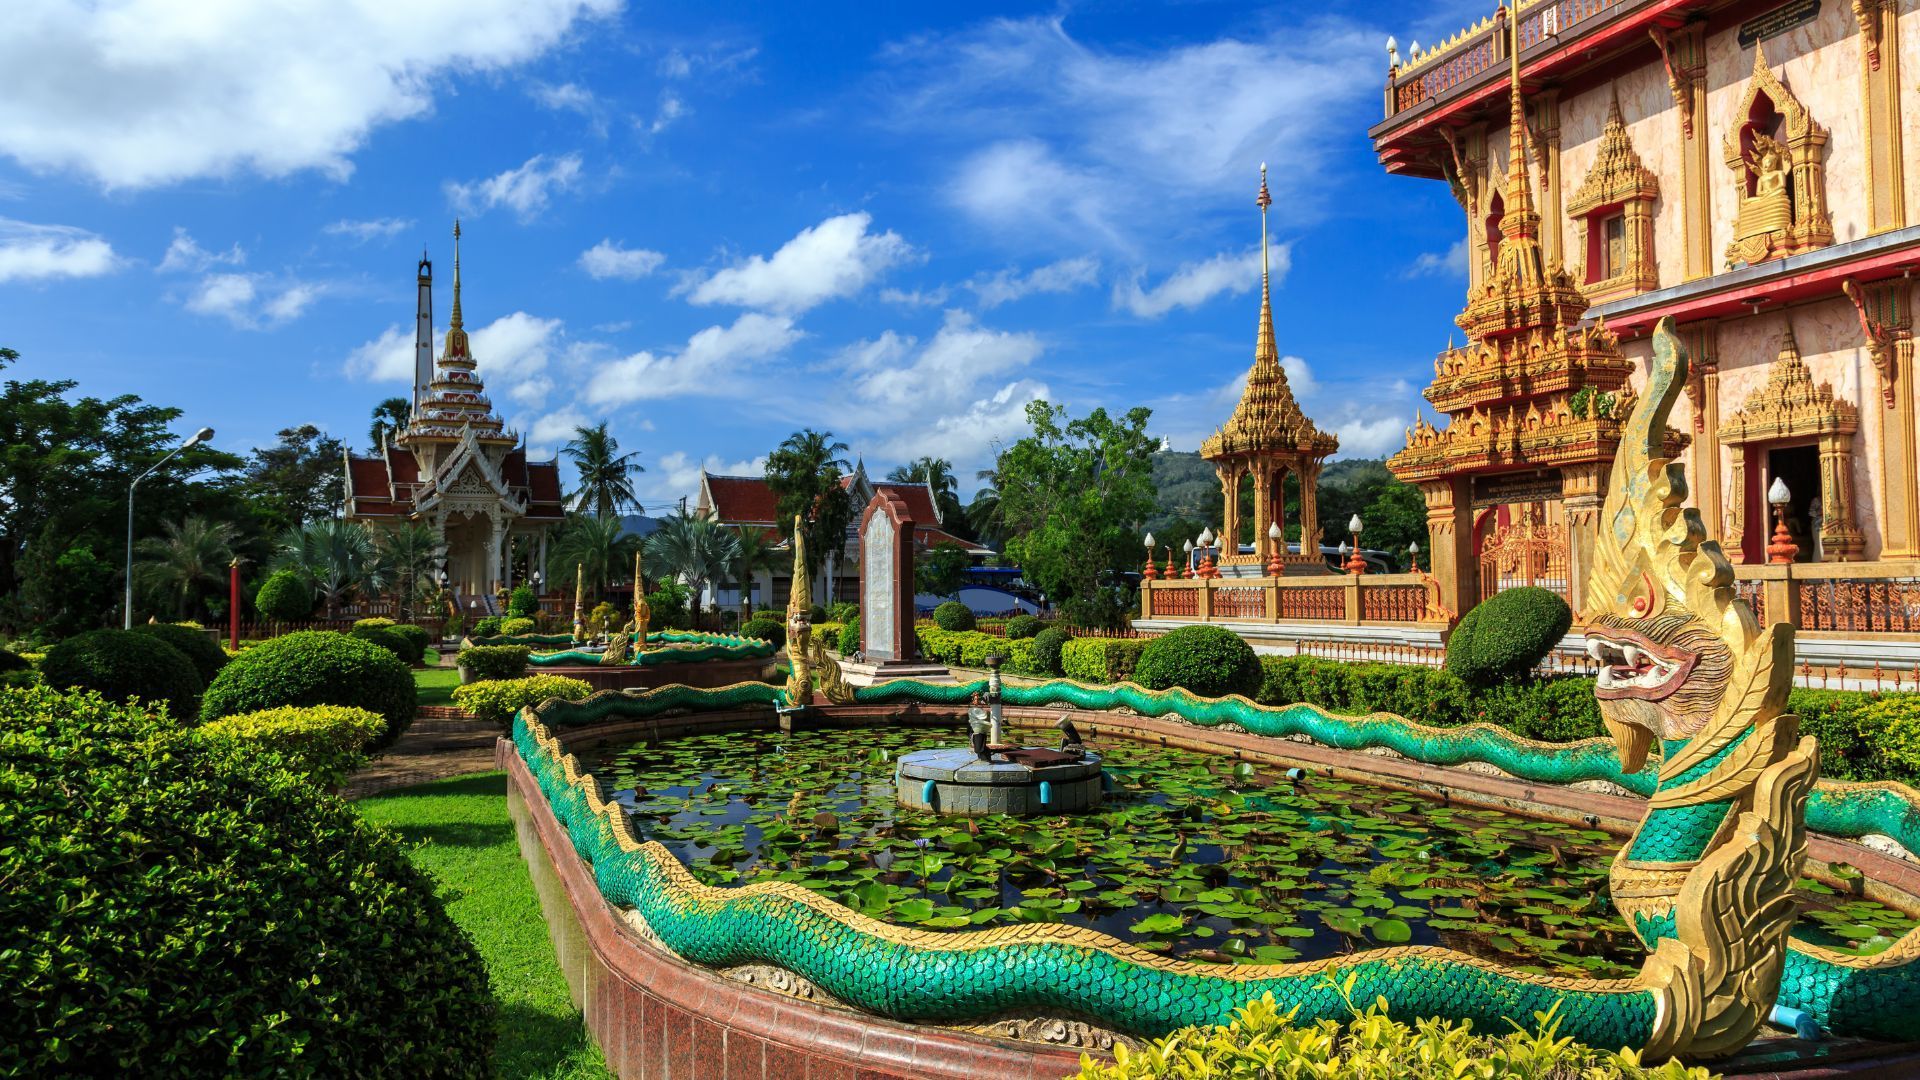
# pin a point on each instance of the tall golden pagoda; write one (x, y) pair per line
(1268, 437)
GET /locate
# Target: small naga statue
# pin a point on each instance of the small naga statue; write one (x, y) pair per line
(619, 647)
(799, 623)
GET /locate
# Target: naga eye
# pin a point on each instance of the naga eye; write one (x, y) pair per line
(1642, 604)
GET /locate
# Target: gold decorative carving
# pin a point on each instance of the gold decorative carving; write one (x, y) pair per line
(1618, 182)
(1781, 186)
(1792, 406)
(1681, 76)
(1885, 320)
(1867, 14)
(799, 621)
(833, 683)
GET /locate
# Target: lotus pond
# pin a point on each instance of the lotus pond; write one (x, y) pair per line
(1193, 855)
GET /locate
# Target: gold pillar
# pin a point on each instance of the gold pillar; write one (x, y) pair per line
(1229, 475)
(1840, 539)
(1880, 90)
(1450, 541)
(1684, 52)
(1702, 341)
(1481, 192)
(1261, 509)
(1582, 490)
(1886, 322)
(1309, 476)
(1734, 511)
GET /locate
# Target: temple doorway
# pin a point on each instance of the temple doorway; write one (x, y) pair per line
(1799, 468)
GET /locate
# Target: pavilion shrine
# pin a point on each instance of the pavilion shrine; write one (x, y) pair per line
(457, 467)
(1266, 441)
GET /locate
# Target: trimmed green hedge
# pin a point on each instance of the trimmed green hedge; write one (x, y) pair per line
(953, 615)
(202, 651)
(121, 664)
(384, 636)
(510, 627)
(1505, 635)
(317, 667)
(1552, 710)
(1211, 661)
(488, 627)
(523, 602)
(172, 910)
(496, 700)
(1046, 650)
(970, 648)
(494, 661)
(1101, 660)
(419, 637)
(766, 630)
(1024, 626)
(323, 743)
(850, 635)
(285, 597)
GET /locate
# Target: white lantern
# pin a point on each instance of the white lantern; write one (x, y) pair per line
(1778, 494)
(1353, 525)
(1149, 541)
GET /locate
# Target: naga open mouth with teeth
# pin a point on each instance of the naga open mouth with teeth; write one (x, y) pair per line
(1633, 667)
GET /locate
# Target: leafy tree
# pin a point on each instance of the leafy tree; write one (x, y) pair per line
(192, 553)
(940, 570)
(334, 557)
(1073, 495)
(983, 513)
(755, 553)
(692, 550)
(601, 546)
(296, 481)
(407, 555)
(1394, 513)
(804, 473)
(606, 474)
(389, 420)
(937, 474)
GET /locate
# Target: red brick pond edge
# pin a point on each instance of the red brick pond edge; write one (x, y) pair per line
(656, 1017)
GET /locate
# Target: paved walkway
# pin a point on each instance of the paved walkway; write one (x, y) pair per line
(440, 744)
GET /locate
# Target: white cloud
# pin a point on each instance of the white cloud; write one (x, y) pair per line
(1371, 436)
(607, 259)
(1058, 277)
(185, 255)
(677, 474)
(958, 358)
(1450, 263)
(556, 427)
(137, 93)
(374, 229)
(252, 301)
(568, 97)
(836, 258)
(30, 252)
(916, 298)
(969, 436)
(672, 108)
(1299, 377)
(387, 358)
(1071, 138)
(525, 190)
(1193, 284)
(713, 362)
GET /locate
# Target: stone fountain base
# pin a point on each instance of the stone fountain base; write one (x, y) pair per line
(1021, 780)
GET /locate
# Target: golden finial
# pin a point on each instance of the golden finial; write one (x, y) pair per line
(456, 274)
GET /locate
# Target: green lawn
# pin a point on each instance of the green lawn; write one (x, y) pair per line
(434, 685)
(462, 836)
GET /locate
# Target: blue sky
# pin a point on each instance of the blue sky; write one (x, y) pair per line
(713, 224)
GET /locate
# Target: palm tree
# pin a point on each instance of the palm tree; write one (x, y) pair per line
(192, 553)
(389, 419)
(937, 474)
(601, 546)
(606, 475)
(407, 555)
(754, 554)
(333, 556)
(804, 473)
(983, 513)
(693, 550)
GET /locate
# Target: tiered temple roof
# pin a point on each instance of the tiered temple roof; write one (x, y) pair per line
(456, 400)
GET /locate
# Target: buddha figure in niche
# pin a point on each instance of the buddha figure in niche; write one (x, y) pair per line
(1770, 206)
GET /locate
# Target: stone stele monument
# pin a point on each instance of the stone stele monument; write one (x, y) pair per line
(889, 649)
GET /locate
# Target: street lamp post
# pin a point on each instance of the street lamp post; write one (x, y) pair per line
(1187, 548)
(1783, 549)
(1276, 545)
(1358, 563)
(1150, 573)
(1413, 555)
(199, 437)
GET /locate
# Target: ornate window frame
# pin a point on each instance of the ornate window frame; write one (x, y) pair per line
(1618, 184)
(1806, 141)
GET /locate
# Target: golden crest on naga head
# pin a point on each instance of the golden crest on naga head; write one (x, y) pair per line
(1671, 637)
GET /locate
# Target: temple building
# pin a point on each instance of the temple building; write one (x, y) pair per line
(457, 467)
(1736, 166)
(1266, 442)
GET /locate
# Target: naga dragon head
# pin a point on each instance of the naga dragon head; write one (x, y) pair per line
(1674, 643)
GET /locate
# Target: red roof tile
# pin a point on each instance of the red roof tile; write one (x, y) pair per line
(369, 478)
(741, 499)
(918, 497)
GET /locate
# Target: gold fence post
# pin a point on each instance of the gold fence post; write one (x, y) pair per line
(1272, 592)
(1146, 599)
(1203, 606)
(1352, 585)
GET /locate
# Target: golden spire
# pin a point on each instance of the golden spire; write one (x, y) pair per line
(456, 347)
(1520, 219)
(1265, 351)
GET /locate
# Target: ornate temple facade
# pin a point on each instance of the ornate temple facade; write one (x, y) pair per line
(457, 467)
(1737, 166)
(1265, 441)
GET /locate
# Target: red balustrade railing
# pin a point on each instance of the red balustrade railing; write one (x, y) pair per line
(1860, 605)
(1315, 602)
(1475, 54)
(1240, 602)
(1393, 603)
(1177, 602)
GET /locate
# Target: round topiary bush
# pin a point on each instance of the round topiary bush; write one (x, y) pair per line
(383, 636)
(375, 621)
(316, 667)
(207, 656)
(1505, 635)
(1047, 645)
(488, 627)
(1210, 661)
(330, 944)
(850, 636)
(419, 638)
(516, 627)
(523, 603)
(1024, 626)
(954, 615)
(121, 664)
(284, 597)
(766, 630)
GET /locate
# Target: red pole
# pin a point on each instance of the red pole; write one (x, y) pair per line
(233, 605)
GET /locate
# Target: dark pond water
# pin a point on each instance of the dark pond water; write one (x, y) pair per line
(1193, 855)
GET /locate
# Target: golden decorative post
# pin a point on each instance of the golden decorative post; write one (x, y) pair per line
(579, 602)
(799, 623)
(642, 611)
